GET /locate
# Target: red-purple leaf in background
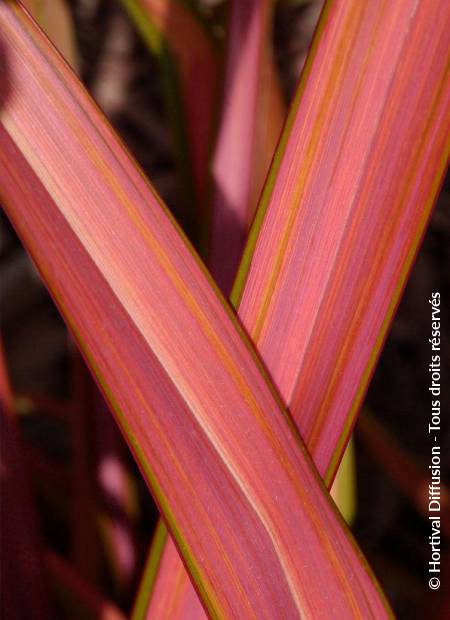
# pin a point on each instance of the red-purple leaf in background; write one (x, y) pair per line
(251, 121)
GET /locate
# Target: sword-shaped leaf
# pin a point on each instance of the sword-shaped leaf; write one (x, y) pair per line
(256, 528)
(346, 204)
(343, 212)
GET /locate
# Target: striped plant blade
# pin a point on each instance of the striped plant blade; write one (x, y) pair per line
(250, 125)
(55, 20)
(256, 528)
(153, 568)
(190, 64)
(341, 255)
(252, 116)
(22, 561)
(165, 590)
(354, 180)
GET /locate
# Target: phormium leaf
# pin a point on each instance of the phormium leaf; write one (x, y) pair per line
(198, 411)
(344, 209)
(346, 204)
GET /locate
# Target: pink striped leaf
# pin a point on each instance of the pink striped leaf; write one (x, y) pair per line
(255, 526)
(89, 455)
(251, 121)
(343, 211)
